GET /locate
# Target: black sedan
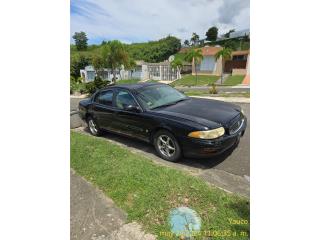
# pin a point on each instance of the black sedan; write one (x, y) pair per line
(159, 114)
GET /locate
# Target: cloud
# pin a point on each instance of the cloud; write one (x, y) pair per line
(144, 20)
(231, 9)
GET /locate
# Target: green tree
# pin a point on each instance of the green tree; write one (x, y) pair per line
(99, 64)
(194, 39)
(195, 56)
(212, 34)
(130, 64)
(78, 62)
(225, 54)
(233, 44)
(227, 35)
(186, 42)
(114, 54)
(81, 40)
(177, 64)
(154, 51)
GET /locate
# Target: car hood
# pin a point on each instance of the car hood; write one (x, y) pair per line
(203, 111)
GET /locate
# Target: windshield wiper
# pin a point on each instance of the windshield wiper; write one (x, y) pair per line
(164, 105)
(183, 99)
(169, 104)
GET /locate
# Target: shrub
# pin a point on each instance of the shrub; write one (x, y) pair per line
(82, 88)
(72, 85)
(79, 80)
(78, 62)
(213, 89)
(90, 87)
(98, 83)
(76, 85)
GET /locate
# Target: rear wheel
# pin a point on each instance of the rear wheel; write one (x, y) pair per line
(93, 127)
(167, 146)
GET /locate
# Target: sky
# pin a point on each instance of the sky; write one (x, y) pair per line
(145, 20)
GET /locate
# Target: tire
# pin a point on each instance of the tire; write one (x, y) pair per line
(167, 146)
(93, 127)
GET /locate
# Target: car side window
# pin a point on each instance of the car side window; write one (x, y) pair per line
(124, 99)
(105, 98)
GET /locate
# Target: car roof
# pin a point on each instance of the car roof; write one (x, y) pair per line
(134, 86)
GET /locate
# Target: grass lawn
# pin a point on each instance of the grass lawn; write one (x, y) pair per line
(127, 81)
(196, 93)
(152, 81)
(234, 80)
(190, 80)
(206, 93)
(147, 191)
(246, 95)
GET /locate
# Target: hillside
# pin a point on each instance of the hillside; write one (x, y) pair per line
(152, 51)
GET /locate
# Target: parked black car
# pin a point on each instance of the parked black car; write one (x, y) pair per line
(159, 114)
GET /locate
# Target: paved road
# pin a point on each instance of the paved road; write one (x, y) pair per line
(231, 168)
(74, 104)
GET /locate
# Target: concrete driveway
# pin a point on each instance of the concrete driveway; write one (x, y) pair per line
(230, 171)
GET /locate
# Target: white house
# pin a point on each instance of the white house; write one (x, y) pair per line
(89, 73)
(143, 71)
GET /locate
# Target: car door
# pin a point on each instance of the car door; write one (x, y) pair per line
(130, 123)
(103, 108)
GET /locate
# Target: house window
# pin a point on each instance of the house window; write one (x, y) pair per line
(207, 64)
(239, 57)
(90, 75)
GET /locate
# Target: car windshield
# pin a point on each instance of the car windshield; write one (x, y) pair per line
(159, 95)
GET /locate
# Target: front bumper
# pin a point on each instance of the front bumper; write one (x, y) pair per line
(205, 148)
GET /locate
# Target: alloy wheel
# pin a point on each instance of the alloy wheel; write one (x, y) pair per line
(93, 127)
(166, 145)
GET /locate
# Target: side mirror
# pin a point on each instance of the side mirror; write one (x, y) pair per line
(132, 108)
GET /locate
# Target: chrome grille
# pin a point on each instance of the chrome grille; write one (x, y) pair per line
(235, 127)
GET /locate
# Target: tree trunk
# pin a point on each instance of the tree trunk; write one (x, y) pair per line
(120, 74)
(222, 71)
(113, 77)
(196, 75)
(179, 73)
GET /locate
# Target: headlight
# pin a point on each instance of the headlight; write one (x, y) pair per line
(215, 133)
(242, 111)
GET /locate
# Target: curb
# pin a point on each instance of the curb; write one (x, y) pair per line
(79, 96)
(72, 112)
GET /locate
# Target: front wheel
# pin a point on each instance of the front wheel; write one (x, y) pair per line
(93, 127)
(167, 146)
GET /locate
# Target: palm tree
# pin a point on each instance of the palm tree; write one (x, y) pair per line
(177, 64)
(225, 54)
(195, 56)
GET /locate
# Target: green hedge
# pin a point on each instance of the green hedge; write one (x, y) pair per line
(76, 85)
